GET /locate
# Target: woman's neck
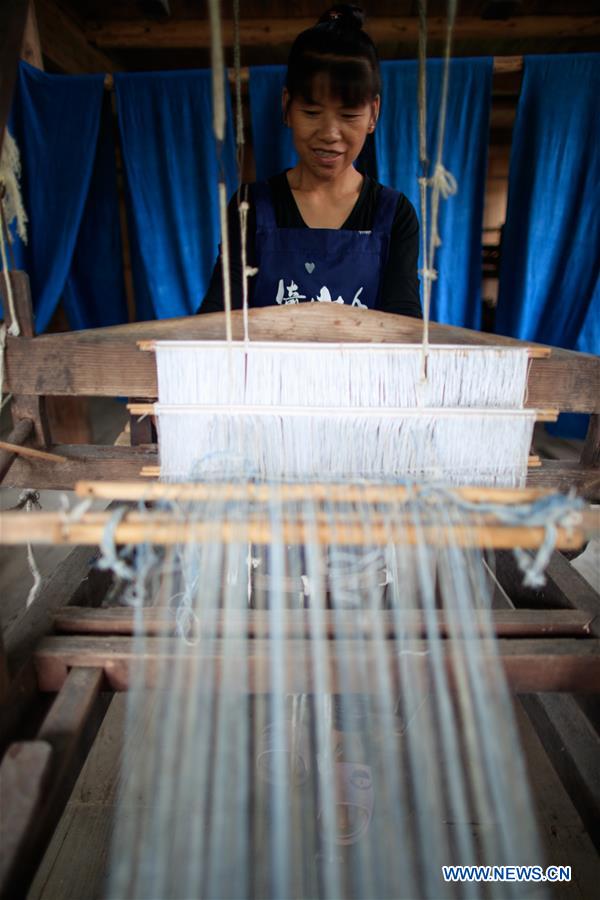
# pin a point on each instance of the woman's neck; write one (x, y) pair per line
(324, 203)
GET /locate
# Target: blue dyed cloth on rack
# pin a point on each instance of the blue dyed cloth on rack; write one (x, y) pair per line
(550, 270)
(272, 140)
(549, 277)
(456, 295)
(70, 196)
(172, 169)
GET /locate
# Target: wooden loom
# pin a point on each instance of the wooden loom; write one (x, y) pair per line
(551, 644)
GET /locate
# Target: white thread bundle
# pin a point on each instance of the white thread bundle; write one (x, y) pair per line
(239, 795)
(459, 447)
(368, 375)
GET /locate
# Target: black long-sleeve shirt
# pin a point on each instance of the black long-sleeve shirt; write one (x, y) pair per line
(399, 291)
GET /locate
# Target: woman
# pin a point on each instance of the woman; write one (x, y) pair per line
(322, 232)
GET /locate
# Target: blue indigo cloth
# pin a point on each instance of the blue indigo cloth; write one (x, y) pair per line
(456, 295)
(172, 168)
(69, 194)
(272, 140)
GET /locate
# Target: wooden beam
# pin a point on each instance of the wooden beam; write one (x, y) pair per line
(105, 463)
(65, 44)
(565, 588)
(31, 50)
(68, 730)
(107, 361)
(573, 747)
(97, 462)
(24, 774)
(159, 621)
(545, 664)
(13, 15)
(159, 527)
(20, 433)
(385, 30)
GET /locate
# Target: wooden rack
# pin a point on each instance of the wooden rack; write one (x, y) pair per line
(108, 362)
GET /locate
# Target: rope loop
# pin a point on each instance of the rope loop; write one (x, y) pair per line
(444, 181)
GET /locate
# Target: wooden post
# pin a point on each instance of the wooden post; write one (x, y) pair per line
(13, 14)
(18, 435)
(590, 455)
(26, 406)
(31, 51)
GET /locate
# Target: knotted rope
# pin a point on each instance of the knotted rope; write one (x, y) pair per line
(442, 183)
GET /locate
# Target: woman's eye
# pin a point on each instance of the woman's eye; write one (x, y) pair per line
(310, 112)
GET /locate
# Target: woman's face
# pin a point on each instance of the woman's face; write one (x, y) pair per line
(328, 135)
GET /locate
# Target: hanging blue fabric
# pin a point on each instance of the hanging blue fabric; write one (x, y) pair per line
(549, 278)
(272, 140)
(94, 294)
(55, 120)
(172, 171)
(456, 295)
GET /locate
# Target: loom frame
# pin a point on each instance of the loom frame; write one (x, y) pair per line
(76, 665)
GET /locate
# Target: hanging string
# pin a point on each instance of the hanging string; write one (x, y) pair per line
(219, 116)
(28, 500)
(442, 183)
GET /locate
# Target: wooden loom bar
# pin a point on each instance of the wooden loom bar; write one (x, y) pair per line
(107, 361)
(149, 409)
(561, 664)
(159, 621)
(31, 452)
(537, 352)
(335, 492)
(20, 433)
(502, 65)
(58, 751)
(385, 30)
(109, 463)
(164, 528)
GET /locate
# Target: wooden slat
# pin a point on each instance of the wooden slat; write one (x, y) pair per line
(565, 588)
(20, 433)
(573, 746)
(64, 43)
(23, 775)
(107, 362)
(263, 493)
(560, 664)
(13, 15)
(195, 33)
(119, 620)
(68, 729)
(102, 462)
(122, 463)
(163, 528)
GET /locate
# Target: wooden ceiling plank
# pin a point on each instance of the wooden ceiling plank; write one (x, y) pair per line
(65, 45)
(13, 16)
(180, 34)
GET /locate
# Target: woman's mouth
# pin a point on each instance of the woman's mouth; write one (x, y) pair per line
(327, 157)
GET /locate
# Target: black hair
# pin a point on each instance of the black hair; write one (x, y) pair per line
(338, 50)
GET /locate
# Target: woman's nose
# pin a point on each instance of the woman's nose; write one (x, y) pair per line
(329, 128)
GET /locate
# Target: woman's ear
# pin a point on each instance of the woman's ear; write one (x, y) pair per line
(285, 102)
(375, 107)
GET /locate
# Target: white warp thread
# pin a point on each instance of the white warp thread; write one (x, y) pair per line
(341, 376)
(482, 448)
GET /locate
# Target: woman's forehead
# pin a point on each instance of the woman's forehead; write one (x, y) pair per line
(320, 93)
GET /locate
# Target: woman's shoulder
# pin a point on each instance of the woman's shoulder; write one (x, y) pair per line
(405, 216)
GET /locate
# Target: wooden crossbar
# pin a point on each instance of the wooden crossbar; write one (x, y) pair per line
(164, 528)
(562, 664)
(256, 623)
(333, 492)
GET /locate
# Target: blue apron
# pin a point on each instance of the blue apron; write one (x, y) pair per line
(325, 265)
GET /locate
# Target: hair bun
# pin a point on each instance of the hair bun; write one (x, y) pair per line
(344, 15)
